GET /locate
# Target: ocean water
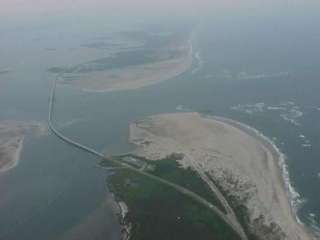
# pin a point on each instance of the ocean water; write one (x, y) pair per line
(263, 73)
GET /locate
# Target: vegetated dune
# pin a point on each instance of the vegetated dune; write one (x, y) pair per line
(12, 135)
(242, 164)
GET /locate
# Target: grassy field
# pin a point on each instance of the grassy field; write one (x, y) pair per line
(159, 212)
(169, 169)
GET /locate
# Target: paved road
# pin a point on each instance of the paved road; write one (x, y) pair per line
(234, 224)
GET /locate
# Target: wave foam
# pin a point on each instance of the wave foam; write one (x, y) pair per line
(296, 201)
(313, 224)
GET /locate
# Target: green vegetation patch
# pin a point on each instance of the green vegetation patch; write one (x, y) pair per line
(159, 212)
(119, 60)
(170, 169)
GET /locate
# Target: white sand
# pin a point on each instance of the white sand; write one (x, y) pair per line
(241, 163)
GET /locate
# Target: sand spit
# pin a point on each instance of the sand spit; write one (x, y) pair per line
(12, 135)
(134, 77)
(246, 167)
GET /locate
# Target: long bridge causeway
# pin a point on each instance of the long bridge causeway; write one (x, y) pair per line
(230, 219)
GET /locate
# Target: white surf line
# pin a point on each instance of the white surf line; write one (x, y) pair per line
(294, 197)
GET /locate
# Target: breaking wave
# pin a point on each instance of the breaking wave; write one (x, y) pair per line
(296, 201)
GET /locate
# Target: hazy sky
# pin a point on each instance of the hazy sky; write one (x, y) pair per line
(15, 6)
(29, 8)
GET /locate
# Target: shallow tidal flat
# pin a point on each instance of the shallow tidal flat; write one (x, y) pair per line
(12, 134)
(242, 166)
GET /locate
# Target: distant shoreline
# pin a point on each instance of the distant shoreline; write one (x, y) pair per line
(134, 77)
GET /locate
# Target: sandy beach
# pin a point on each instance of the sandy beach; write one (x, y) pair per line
(244, 165)
(134, 77)
(12, 135)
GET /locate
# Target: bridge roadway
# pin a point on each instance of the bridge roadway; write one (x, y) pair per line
(233, 223)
